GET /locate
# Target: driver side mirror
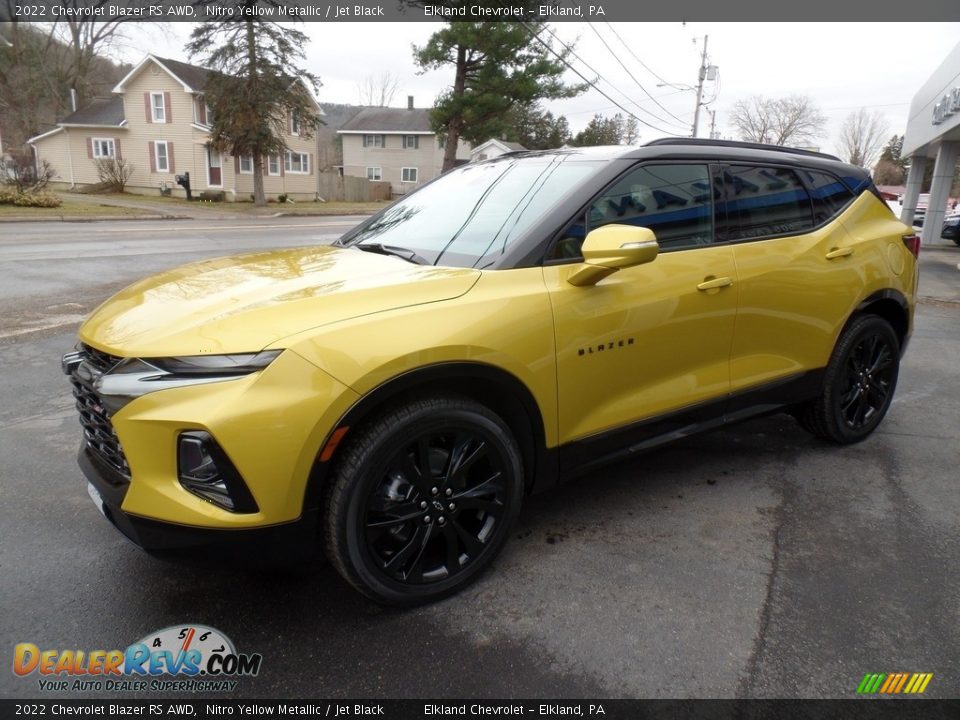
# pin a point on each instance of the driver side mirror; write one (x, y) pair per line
(611, 248)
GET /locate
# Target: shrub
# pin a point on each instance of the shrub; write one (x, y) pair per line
(282, 197)
(8, 195)
(114, 173)
(41, 199)
(18, 170)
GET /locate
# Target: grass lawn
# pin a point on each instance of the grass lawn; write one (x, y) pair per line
(248, 208)
(70, 208)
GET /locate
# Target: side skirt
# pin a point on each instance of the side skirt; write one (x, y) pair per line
(582, 456)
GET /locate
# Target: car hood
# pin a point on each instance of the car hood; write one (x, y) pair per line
(246, 302)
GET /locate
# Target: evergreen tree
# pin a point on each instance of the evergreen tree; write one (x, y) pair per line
(497, 66)
(601, 131)
(258, 89)
(535, 129)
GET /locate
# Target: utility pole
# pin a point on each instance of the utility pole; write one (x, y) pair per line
(703, 76)
(713, 123)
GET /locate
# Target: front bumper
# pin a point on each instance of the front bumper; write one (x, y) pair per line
(270, 425)
(286, 540)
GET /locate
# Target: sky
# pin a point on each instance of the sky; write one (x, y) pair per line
(841, 66)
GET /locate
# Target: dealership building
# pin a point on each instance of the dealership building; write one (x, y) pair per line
(933, 136)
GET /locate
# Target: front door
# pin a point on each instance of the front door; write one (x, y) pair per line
(214, 169)
(653, 339)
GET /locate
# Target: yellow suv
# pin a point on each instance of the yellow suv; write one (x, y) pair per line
(511, 324)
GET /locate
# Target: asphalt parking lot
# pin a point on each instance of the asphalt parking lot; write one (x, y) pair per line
(751, 562)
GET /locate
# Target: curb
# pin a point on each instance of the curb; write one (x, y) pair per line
(91, 218)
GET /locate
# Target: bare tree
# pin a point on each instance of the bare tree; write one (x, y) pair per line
(44, 61)
(862, 137)
(378, 90)
(794, 120)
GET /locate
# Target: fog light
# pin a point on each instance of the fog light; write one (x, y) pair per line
(206, 471)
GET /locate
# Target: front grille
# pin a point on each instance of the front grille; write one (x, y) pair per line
(98, 431)
(98, 359)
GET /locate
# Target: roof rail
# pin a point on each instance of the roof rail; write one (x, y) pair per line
(738, 144)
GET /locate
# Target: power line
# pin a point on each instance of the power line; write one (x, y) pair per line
(627, 70)
(629, 50)
(593, 84)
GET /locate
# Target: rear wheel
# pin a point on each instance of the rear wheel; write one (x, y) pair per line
(422, 499)
(859, 383)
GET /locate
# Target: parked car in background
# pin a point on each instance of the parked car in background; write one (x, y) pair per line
(923, 200)
(951, 229)
(511, 324)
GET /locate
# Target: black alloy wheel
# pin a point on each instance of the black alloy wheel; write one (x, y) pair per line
(859, 383)
(423, 499)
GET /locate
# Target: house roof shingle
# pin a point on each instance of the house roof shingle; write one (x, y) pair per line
(193, 75)
(101, 111)
(383, 119)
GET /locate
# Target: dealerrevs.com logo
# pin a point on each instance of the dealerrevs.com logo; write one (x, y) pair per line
(180, 658)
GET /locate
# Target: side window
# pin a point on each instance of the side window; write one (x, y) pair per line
(675, 201)
(764, 201)
(829, 195)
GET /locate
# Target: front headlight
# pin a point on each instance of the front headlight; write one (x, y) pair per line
(134, 377)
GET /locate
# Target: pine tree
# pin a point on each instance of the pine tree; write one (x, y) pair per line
(497, 66)
(258, 88)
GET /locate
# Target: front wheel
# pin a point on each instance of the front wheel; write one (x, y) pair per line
(858, 385)
(422, 499)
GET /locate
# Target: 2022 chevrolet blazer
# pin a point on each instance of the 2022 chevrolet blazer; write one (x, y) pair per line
(394, 397)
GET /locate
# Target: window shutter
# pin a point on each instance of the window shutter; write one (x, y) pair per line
(153, 156)
(309, 167)
(118, 156)
(166, 107)
(280, 164)
(236, 164)
(173, 167)
(146, 106)
(90, 148)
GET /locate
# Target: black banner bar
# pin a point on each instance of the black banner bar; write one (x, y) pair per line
(334, 11)
(859, 709)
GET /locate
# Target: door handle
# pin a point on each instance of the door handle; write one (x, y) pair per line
(839, 252)
(715, 283)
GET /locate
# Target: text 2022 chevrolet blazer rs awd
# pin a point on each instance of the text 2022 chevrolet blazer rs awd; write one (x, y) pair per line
(394, 397)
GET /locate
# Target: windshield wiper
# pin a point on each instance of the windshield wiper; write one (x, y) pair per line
(400, 252)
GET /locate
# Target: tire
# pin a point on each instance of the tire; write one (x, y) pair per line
(859, 383)
(404, 524)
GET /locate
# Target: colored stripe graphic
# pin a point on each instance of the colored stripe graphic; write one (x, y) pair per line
(894, 683)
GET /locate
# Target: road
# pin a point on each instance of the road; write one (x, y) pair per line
(55, 273)
(750, 562)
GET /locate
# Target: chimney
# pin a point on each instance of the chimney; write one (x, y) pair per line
(409, 102)
(73, 100)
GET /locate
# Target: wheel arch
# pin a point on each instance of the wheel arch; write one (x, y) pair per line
(892, 306)
(488, 385)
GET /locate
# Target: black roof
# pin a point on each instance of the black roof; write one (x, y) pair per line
(101, 111)
(706, 150)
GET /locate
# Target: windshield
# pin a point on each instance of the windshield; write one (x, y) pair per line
(470, 216)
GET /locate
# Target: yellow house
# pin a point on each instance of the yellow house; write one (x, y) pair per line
(158, 122)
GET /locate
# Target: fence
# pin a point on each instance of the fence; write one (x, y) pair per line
(333, 186)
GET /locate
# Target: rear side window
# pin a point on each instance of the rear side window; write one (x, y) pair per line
(829, 195)
(765, 201)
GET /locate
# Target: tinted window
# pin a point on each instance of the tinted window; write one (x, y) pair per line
(672, 200)
(829, 195)
(763, 201)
